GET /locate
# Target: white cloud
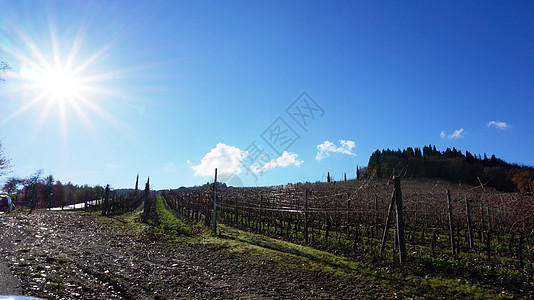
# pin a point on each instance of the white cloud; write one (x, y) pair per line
(326, 147)
(498, 124)
(229, 160)
(455, 135)
(284, 160)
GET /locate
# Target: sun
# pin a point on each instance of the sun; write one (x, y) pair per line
(54, 84)
(61, 84)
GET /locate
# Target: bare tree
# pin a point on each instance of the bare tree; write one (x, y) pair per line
(5, 163)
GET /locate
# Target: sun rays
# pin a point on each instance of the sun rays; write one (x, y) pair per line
(60, 81)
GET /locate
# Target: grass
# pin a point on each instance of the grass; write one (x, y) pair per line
(167, 221)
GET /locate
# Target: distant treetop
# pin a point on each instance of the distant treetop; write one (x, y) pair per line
(452, 164)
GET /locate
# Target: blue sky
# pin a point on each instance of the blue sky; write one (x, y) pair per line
(103, 90)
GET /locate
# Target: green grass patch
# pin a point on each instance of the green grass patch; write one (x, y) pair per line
(167, 221)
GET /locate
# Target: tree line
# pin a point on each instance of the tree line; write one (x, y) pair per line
(452, 164)
(37, 191)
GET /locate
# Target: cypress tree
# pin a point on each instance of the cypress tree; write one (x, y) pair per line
(105, 203)
(146, 208)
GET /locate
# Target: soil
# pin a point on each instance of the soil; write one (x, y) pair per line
(58, 255)
(9, 284)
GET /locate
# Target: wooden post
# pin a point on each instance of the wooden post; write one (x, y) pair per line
(423, 232)
(386, 226)
(198, 210)
(395, 243)
(339, 233)
(469, 226)
(451, 223)
(348, 213)
(269, 215)
(86, 199)
(483, 220)
(488, 243)
(400, 222)
(510, 243)
(235, 212)
(214, 213)
(312, 233)
(327, 229)
(306, 217)
(521, 236)
(458, 229)
(298, 216)
(261, 216)
(489, 217)
(207, 211)
(434, 236)
(249, 214)
(288, 225)
(355, 240)
(189, 206)
(376, 216)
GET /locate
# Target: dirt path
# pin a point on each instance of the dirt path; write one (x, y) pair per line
(65, 255)
(9, 284)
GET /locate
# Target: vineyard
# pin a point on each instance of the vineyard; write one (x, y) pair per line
(439, 219)
(414, 238)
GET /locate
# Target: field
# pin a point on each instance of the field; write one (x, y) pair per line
(317, 240)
